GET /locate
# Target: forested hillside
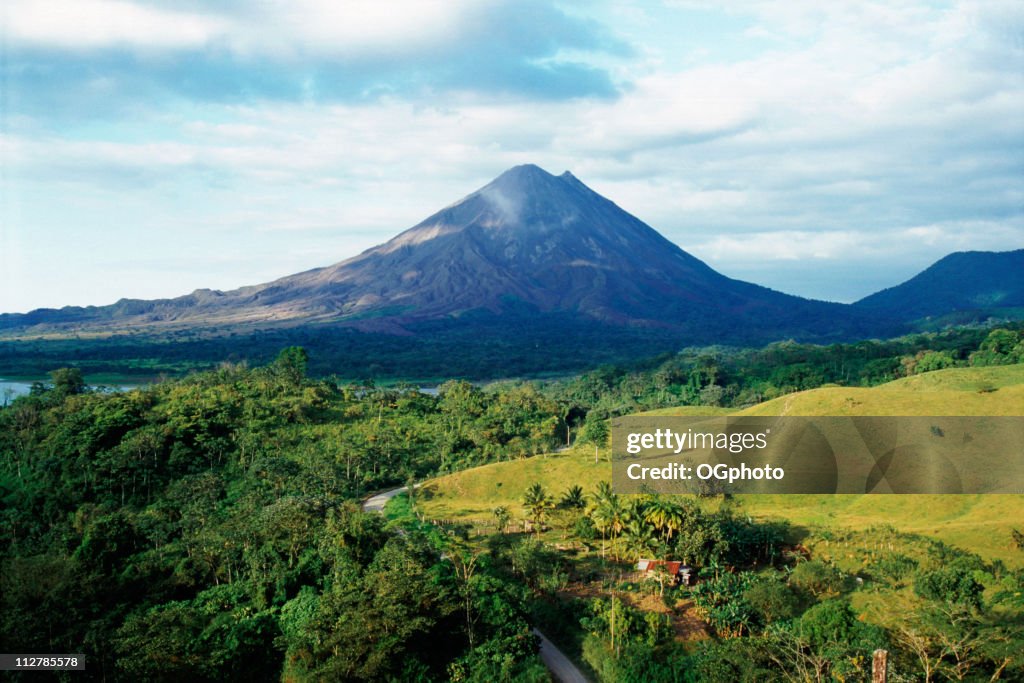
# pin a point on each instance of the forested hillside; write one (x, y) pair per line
(208, 528)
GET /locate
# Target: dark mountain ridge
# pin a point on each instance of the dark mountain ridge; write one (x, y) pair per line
(960, 282)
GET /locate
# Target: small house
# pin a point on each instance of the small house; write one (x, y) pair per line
(678, 572)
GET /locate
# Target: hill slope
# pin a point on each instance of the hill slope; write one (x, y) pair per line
(983, 281)
(980, 523)
(957, 391)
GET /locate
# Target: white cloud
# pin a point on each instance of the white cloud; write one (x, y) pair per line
(275, 27)
(844, 246)
(352, 27)
(92, 24)
(864, 129)
(786, 245)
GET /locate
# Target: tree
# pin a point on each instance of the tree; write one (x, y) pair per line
(666, 516)
(68, 382)
(827, 643)
(639, 539)
(712, 395)
(934, 360)
(536, 501)
(817, 578)
(772, 598)
(720, 601)
(464, 562)
(595, 431)
(502, 516)
(608, 513)
(703, 541)
(291, 364)
(1000, 347)
(961, 642)
(954, 584)
(573, 498)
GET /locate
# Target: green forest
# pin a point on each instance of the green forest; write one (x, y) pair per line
(209, 528)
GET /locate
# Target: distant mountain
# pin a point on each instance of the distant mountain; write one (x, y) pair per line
(963, 284)
(528, 247)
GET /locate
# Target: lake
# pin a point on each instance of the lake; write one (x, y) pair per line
(11, 389)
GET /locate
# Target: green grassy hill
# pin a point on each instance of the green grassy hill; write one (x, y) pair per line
(980, 523)
(957, 391)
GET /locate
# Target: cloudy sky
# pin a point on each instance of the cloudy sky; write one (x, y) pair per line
(148, 148)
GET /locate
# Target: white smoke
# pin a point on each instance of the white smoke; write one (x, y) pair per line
(508, 208)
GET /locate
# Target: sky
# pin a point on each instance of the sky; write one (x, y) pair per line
(828, 150)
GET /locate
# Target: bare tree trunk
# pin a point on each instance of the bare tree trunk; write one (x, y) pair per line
(880, 666)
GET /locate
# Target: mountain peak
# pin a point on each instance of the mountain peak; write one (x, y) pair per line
(528, 244)
(525, 170)
(525, 178)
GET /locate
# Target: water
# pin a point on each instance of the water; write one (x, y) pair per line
(11, 389)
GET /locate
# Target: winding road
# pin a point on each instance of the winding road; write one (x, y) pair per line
(376, 502)
(561, 667)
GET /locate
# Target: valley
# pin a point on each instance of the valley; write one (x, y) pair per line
(215, 522)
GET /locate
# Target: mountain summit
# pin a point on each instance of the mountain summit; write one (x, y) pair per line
(530, 241)
(527, 246)
(526, 238)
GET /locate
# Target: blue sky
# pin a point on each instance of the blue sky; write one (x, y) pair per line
(824, 149)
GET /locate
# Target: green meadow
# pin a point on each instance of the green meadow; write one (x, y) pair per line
(979, 523)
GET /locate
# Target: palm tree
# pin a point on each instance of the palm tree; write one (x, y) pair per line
(573, 498)
(603, 492)
(639, 538)
(536, 501)
(666, 516)
(609, 517)
(675, 520)
(601, 523)
(636, 510)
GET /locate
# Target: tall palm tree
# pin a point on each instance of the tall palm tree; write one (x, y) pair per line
(665, 515)
(602, 524)
(609, 516)
(603, 492)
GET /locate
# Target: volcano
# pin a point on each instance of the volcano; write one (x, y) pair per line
(529, 247)
(530, 240)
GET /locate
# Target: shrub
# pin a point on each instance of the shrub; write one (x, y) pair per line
(817, 578)
(954, 584)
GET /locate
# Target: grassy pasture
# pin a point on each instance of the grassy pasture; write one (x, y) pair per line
(979, 523)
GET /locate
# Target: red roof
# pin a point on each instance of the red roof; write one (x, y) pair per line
(673, 567)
